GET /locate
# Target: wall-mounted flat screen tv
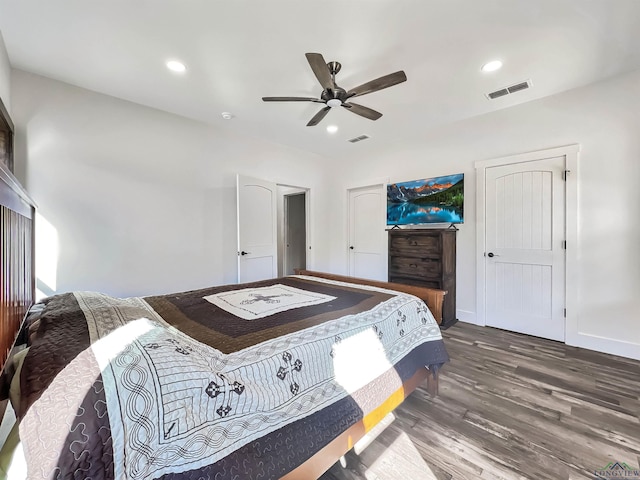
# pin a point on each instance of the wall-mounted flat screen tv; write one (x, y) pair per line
(430, 200)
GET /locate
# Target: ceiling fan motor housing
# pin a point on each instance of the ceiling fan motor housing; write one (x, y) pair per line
(336, 92)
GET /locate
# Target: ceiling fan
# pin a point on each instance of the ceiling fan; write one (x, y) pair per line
(334, 96)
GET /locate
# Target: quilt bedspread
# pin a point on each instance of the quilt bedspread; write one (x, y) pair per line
(212, 382)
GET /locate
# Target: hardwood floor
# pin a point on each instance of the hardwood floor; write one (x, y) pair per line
(510, 407)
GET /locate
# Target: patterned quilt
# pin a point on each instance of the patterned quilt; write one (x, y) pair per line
(242, 381)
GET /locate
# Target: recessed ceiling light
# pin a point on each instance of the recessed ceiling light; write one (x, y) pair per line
(492, 66)
(227, 115)
(176, 66)
(332, 128)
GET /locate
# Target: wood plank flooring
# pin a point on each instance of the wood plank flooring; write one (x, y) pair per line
(510, 407)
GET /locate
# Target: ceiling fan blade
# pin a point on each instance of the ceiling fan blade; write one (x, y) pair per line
(365, 112)
(320, 69)
(292, 99)
(318, 116)
(378, 84)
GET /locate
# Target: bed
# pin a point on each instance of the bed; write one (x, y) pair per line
(273, 379)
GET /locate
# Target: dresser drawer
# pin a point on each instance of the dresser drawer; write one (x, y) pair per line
(420, 245)
(415, 267)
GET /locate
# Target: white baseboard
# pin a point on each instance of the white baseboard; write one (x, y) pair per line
(467, 317)
(606, 345)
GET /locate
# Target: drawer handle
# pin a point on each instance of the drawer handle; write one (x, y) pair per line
(413, 265)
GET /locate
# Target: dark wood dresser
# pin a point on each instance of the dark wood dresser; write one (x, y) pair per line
(426, 257)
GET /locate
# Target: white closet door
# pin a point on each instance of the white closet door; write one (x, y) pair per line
(257, 229)
(367, 235)
(525, 257)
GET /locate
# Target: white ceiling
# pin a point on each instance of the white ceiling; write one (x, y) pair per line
(237, 51)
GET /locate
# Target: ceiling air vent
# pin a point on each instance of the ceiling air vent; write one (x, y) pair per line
(518, 87)
(498, 93)
(508, 90)
(358, 139)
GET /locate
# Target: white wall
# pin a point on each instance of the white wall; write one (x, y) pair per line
(5, 76)
(604, 119)
(141, 201)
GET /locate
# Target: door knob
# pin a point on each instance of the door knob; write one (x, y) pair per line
(244, 253)
(491, 255)
(351, 247)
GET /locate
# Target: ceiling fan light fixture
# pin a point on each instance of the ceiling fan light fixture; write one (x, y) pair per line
(334, 102)
(332, 128)
(492, 66)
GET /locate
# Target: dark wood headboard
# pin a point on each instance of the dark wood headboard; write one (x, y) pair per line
(17, 266)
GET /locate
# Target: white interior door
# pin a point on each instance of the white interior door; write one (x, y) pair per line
(367, 236)
(525, 256)
(257, 229)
